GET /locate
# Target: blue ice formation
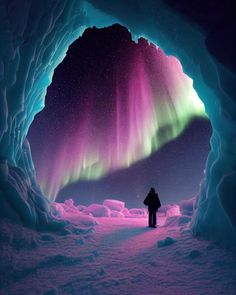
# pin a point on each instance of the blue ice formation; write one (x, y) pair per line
(35, 36)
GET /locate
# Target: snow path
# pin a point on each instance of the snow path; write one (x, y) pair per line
(121, 257)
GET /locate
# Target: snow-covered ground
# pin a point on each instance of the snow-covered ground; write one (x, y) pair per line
(115, 256)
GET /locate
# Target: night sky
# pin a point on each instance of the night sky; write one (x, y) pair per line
(112, 104)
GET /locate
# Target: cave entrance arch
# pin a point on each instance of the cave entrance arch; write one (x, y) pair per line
(35, 44)
(144, 86)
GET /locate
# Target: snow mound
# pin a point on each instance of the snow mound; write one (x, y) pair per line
(169, 210)
(64, 210)
(75, 214)
(177, 220)
(84, 220)
(115, 205)
(173, 210)
(166, 242)
(84, 215)
(98, 210)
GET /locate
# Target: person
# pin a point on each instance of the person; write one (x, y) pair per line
(153, 203)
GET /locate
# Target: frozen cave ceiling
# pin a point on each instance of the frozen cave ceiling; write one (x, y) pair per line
(34, 38)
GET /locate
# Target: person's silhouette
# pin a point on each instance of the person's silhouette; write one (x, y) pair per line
(153, 203)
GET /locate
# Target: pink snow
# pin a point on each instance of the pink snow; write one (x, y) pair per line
(75, 214)
(113, 256)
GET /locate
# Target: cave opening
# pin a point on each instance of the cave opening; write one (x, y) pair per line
(157, 124)
(36, 43)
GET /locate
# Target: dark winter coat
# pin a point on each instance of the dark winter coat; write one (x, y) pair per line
(152, 201)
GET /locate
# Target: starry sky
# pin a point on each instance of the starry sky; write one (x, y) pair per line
(120, 117)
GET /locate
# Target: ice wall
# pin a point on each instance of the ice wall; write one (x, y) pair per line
(34, 38)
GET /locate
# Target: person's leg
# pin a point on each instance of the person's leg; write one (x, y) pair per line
(149, 218)
(154, 219)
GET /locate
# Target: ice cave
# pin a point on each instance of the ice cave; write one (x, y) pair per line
(35, 36)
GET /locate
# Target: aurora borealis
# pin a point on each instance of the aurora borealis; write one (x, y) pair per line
(112, 102)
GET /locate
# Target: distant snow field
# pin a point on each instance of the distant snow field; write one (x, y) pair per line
(115, 253)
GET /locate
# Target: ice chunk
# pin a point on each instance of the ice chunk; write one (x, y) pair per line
(115, 205)
(68, 211)
(98, 210)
